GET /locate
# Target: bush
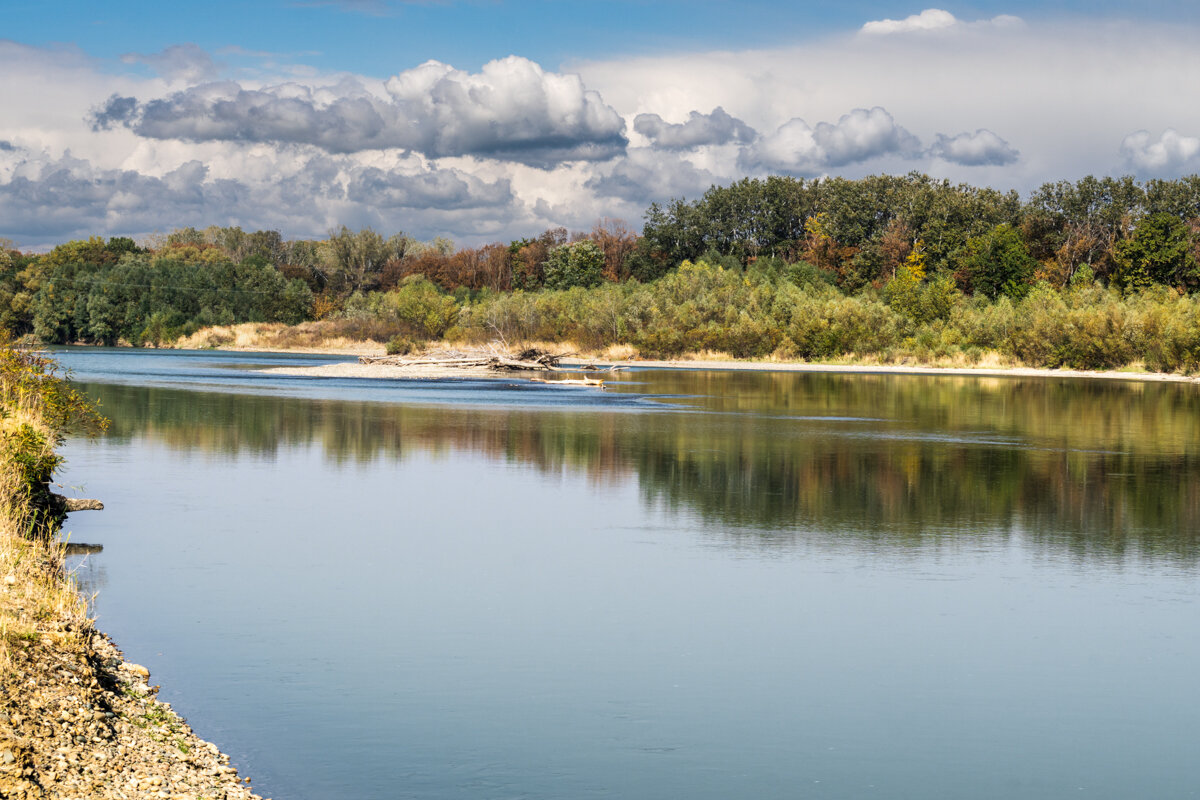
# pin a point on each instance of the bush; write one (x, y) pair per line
(418, 304)
(399, 346)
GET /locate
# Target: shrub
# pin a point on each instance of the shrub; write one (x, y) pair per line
(419, 305)
(399, 346)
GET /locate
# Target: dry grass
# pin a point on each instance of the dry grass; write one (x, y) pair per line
(37, 601)
(354, 337)
(325, 336)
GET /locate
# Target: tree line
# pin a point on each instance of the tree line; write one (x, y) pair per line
(761, 257)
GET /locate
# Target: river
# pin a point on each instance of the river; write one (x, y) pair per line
(695, 584)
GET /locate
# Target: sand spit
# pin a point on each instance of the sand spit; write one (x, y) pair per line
(436, 372)
(902, 369)
(431, 372)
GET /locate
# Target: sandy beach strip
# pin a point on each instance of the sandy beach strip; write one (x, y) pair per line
(385, 371)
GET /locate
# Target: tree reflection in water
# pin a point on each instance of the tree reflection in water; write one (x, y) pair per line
(1095, 469)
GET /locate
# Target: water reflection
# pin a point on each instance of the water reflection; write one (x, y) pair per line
(1097, 470)
(88, 572)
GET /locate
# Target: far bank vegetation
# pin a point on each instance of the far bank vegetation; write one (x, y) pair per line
(1100, 273)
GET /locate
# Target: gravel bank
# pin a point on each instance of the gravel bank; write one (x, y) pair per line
(78, 721)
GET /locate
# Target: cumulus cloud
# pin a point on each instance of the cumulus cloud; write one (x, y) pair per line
(981, 148)
(859, 136)
(1171, 153)
(931, 19)
(186, 62)
(699, 130)
(511, 110)
(645, 175)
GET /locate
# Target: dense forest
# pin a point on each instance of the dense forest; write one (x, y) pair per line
(1101, 272)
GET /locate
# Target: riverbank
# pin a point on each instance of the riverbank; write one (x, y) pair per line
(311, 338)
(76, 719)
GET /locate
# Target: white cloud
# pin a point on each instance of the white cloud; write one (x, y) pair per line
(505, 149)
(931, 19)
(981, 148)
(1170, 154)
(511, 110)
(861, 135)
(1068, 92)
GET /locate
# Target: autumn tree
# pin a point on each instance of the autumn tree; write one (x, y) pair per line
(617, 242)
(529, 257)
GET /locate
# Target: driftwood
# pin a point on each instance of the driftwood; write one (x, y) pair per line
(69, 504)
(494, 358)
(81, 549)
(83, 504)
(570, 381)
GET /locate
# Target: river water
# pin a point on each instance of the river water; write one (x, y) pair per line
(696, 584)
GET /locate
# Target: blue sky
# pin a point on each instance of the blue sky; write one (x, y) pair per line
(379, 37)
(126, 118)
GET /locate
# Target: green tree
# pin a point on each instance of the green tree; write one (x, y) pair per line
(1159, 251)
(903, 292)
(998, 263)
(576, 264)
(358, 258)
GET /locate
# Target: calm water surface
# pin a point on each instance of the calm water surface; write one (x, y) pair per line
(693, 585)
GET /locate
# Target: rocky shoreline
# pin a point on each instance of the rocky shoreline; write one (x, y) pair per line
(78, 721)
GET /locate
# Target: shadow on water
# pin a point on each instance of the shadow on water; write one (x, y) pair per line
(1091, 469)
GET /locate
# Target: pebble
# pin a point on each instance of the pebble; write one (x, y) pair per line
(78, 739)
